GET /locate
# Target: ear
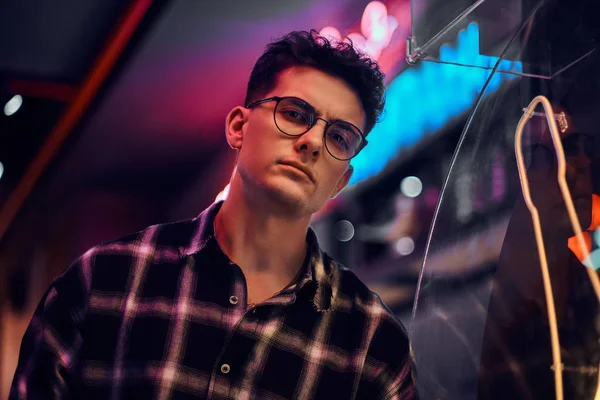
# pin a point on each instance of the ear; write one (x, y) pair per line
(234, 126)
(343, 182)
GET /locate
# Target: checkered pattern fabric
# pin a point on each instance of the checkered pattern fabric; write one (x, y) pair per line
(163, 314)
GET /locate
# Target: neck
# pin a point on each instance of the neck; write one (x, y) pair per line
(269, 248)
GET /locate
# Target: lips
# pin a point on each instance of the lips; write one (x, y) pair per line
(300, 167)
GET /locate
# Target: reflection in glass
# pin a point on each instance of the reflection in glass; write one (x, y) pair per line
(483, 320)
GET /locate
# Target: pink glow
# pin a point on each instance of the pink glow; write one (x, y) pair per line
(331, 33)
(358, 41)
(377, 28)
(375, 24)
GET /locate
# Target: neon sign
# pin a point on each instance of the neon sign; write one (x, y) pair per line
(423, 99)
(376, 28)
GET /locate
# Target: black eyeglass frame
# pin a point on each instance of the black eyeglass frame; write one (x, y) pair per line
(312, 123)
(550, 153)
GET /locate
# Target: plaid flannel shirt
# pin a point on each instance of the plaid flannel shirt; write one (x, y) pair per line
(163, 314)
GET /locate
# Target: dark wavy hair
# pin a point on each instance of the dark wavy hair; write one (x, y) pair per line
(340, 59)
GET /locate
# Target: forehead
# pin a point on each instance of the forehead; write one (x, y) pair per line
(331, 96)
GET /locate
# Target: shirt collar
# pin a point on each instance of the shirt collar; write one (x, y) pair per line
(321, 275)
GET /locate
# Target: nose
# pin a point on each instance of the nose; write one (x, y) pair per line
(311, 143)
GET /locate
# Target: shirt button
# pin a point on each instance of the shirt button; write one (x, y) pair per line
(233, 300)
(225, 368)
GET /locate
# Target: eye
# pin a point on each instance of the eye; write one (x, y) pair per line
(294, 114)
(339, 138)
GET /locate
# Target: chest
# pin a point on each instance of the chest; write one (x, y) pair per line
(221, 350)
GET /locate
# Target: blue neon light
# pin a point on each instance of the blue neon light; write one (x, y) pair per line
(424, 98)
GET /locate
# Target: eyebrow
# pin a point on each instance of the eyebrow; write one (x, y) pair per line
(331, 118)
(319, 114)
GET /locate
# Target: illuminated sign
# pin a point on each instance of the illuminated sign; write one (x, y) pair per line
(376, 28)
(424, 98)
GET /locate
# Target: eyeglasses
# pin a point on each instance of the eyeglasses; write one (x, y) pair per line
(295, 117)
(542, 157)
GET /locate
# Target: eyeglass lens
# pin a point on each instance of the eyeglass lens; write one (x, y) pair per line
(295, 117)
(542, 156)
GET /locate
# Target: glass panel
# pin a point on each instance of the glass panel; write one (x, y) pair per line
(488, 26)
(485, 318)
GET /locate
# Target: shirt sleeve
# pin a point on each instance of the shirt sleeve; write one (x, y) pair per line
(390, 350)
(401, 387)
(49, 348)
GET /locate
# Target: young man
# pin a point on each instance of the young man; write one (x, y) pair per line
(240, 302)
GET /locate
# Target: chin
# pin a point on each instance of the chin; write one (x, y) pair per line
(291, 199)
(286, 194)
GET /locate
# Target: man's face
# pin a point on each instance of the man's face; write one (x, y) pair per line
(267, 156)
(546, 192)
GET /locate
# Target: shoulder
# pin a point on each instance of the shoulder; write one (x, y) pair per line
(387, 365)
(166, 236)
(154, 242)
(115, 260)
(354, 295)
